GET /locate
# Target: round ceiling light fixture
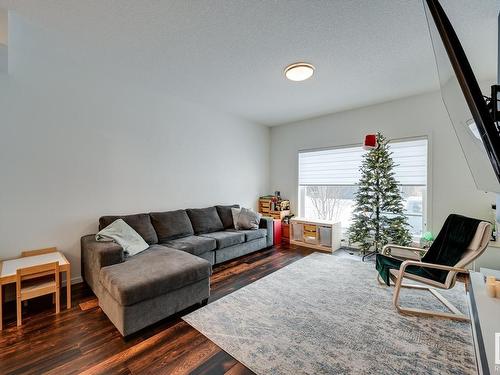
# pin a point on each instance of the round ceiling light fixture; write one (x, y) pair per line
(299, 71)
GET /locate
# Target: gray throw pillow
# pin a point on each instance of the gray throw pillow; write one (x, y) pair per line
(205, 220)
(245, 218)
(171, 225)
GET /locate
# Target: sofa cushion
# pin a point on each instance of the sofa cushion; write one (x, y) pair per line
(152, 273)
(252, 234)
(171, 225)
(141, 223)
(226, 216)
(226, 238)
(195, 245)
(205, 220)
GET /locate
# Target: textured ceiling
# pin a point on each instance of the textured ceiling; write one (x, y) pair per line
(229, 54)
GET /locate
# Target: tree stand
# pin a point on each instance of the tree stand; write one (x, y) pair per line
(370, 254)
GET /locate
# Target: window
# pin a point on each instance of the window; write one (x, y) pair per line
(328, 178)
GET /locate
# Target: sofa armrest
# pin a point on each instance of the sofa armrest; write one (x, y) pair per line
(267, 223)
(98, 254)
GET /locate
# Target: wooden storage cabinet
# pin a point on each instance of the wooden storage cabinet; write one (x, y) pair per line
(265, 208)
(317, 234)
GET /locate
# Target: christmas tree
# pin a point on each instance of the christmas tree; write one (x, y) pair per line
(378, 216)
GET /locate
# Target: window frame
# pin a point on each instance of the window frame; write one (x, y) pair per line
(426, 209)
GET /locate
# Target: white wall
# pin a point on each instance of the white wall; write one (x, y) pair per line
(3, 40)
(3, 26)
(452, 188)
(75, 146)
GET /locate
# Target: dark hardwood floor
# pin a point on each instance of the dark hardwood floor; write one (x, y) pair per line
(83, 340)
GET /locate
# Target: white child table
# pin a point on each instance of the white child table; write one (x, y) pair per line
(8, 269)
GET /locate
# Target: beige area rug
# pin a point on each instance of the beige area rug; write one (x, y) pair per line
(328, 315)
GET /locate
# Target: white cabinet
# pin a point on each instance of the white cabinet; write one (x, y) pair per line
(317, 234)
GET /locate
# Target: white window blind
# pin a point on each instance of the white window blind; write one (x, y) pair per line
(340, 166)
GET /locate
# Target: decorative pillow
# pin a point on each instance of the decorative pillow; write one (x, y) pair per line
(235, 212)
(226, 215)
(245, 218)
(124, 235)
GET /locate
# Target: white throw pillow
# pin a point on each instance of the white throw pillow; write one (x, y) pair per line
(124, 235)
(245, 218)
(236, 213)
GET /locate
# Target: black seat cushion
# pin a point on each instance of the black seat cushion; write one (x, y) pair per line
(205, 220)
(226, 238)
(152, 273)
(141, 223)
(195, 245)
(171, 224)
(226, 215)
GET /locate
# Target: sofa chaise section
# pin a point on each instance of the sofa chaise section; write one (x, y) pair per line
(153, 272)
(156, 274)
(140, 290)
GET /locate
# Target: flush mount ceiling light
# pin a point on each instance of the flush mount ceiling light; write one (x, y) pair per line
(299, 71)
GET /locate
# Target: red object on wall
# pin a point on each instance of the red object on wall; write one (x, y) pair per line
(370, 141)
(277, 231)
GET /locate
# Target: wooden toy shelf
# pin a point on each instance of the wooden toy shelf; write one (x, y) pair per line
(265, 208)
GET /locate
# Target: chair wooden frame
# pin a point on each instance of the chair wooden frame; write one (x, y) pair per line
(398, 283)
(396, 276)
(67, 269)
(29, 253)
(32, 273)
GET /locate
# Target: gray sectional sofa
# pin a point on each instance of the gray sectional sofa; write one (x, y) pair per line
(174, 272)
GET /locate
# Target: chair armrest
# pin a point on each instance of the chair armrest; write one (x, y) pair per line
(98, 254)
(267, 223)
(407, 263)
(416, 252)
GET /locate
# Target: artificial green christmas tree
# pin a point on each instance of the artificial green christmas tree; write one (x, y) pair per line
(378, 216)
